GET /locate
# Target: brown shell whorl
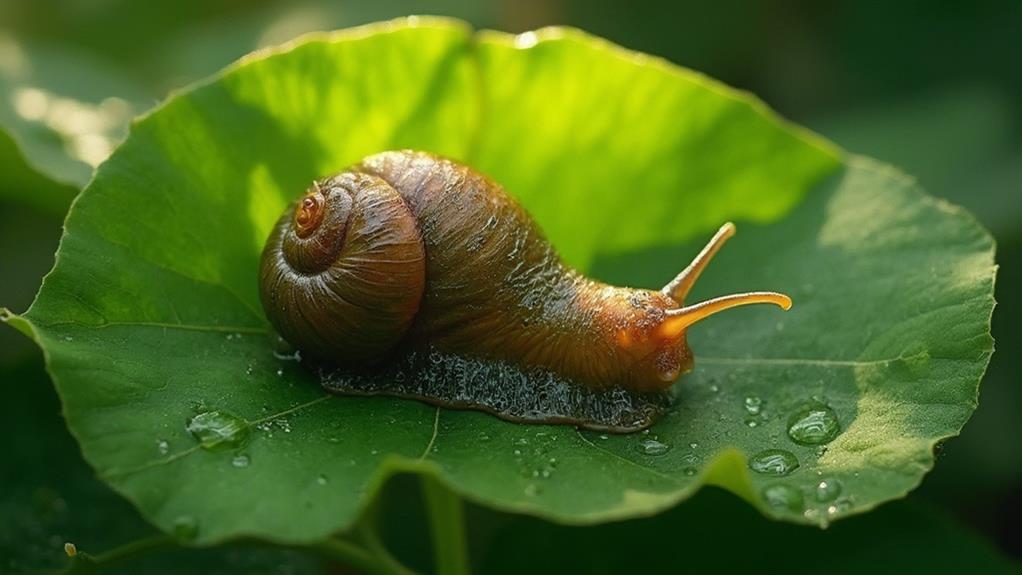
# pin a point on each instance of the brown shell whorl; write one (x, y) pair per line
(343, 271)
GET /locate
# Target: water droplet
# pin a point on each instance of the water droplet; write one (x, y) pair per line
(604, 437)
(280, 372)
(774, 462)
(322, 480)
(162, 446)
(241, 460)
(751, 422)
(532, 489)
(784, 497)
(68, 338)
(518, 452)
(715, 388)
(185, 528)
(813, 425)
(827, 490)
(753, 405)
(219, 430)
(521, 441)
(374, 452)
(483, 436)
(689, 471)
(651, 446)
(693, 445)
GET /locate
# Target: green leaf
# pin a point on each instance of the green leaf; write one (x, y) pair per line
(61, 114)
(151, 314)
(56, 499)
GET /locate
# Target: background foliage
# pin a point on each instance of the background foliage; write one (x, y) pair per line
(931, 91)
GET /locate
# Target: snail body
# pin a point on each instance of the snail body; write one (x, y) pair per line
(407, 250)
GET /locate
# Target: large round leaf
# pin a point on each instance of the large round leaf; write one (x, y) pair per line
(151, 315)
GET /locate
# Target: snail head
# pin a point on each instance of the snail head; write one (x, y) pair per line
(654, 331)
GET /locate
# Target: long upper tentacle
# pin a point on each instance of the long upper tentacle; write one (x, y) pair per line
(679, 287)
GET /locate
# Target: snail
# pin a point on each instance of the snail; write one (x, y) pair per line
(414, 275)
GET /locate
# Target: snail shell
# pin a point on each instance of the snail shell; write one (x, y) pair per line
(343, 277)
(407, 250)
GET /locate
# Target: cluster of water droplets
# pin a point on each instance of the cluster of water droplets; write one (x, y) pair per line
(811, 424)
(535, 458)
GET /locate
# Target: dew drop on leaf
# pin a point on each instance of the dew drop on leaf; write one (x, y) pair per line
(651, 446)
(827, 490)
(814, 425)
(218, 430)
(774, 462)
(162, 446)
(241, 460)
(753, 405)
(784, 497)
(322, 480)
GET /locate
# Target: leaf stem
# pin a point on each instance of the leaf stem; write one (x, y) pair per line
(131, 550)
(447, 528)
(373, 558)
(135, 548)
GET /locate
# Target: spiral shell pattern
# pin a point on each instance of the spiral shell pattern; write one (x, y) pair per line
(344, 270)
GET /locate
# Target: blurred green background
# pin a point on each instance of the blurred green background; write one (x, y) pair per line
(936, 90)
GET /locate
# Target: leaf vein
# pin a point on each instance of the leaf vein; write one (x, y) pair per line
(432, 439)
(620, 457)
